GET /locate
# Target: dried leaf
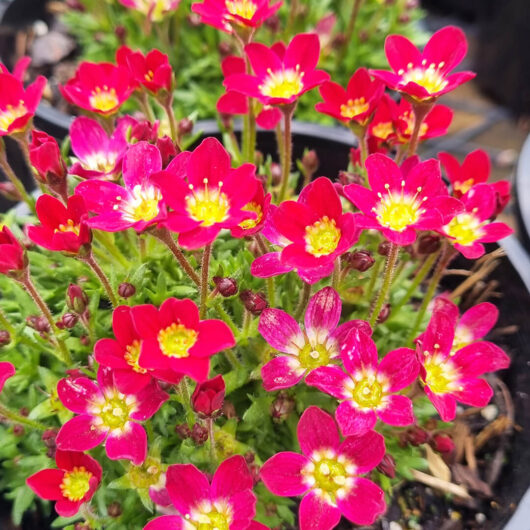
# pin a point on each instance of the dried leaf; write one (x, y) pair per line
(495, 428)
(439, 484)
(436, 464)
(469, 478)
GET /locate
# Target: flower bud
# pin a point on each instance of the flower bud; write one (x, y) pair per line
(255, 303)
(10, 192)
(75, 5)
(310, 162)
(224, 49)
(38, 323)
(429, 244)
(185, 126)
(273, 23)
(384, 248)
(18, 430)
(416, 436)
(84, 340)
(199, 434)
(114, 509)
(282, 406)
(226, 286)
(48, 437)
(387, 466)
(346, 178)
(207, 398)
(121, 34)
(442, 443)
(183, 430)
(76, 299)
(45, 157)
(126, 290)
(143, 131)
(383, 314)
(276, 173)
(24, 411)
(404, 18)
(360, 260)
(69, 320)
(5, 337)
(167, 150)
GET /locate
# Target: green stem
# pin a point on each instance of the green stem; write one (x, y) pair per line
(271, 291)
(288, 111)
(211, 436)
(293, 11)
(10, 174)
(172, 123)
(106, 240)
(390, 264)
(184, 392)
(225, 317)
(335, 278)
(5, 324)
(349, 31)
(305, 293)
(373, 279)
(15, 417)
(143, 99)
(420, 112)
(94, 265)
(205, 270)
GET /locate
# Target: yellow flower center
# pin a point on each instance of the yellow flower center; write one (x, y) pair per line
(115, 410)
(283, 83)
(251, 223)
(102, 162)
(142, 205)
(10, 114)
(213, 520)
(463, 187)
(146, 475)
(368, 393)
(242, 8)
(383, 130)
(398, 212)
(463, 337)
(208, 205)
(131, 356)
(322, 237)
(176, 340)
(354, 107)
(70, 226)
(408, 118)
(440, 375)
(104, 99)
(311, 357)
(76, 483)
(149, 76)
(465, 229)
(428, 77)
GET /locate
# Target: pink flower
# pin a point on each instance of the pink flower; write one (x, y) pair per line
(316, 226)
(154, 10)
(98, 154)
(107, 415)
(327, 474)
(122, 353)
(402, 201)
(229, 15)
(151, 71)
(12, 256)
(63, 228)
(471, 226)
(425, 76)
(175, 339)
(260, 206)
(18, 104)
(137, 205)
(280, 79)
(367, 390)
(318, 345)
(71, 485)
(225, 502)
(99, 87)
(206, 194)
(208, 397)
(7, 370)
(270, 264)
(357, 103)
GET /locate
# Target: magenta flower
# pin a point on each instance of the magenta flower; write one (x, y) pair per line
(7, 370)
(327, 474)
(225, 502)
(471, 226)
(402, 201)
(107, 415)
(137, 205)
(425, 76)
(318, 345)
(475, 324)
(280, 79)
(316, 226)
(367, 391)
(258, 205)
(154, 10)
(73, 483)
(206, 194)
(97, 154)
(175, 339)
(450, 370)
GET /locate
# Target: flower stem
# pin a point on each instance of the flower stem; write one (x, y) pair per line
(63, 354)
(10, 174)
(205, 270)
(94, 265)
(288, 111)
(335, 278)
(225, 317)
(143, 99)
(373, 279)
(390, 264)
(164, 235)
(211, 436)
(349, 31)
(271, 291)
(105, 239)
(15, 417)
(184, 392)
(305, 293)
(420, 112)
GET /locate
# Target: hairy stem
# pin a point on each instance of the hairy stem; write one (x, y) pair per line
(15, 417)
(420, 112)
(288, 112)
(305, 293)
(98, 271)
(205, 270)
(388, 275)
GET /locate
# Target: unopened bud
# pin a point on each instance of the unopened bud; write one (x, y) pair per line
(276, 173)
(383, 314)
(338, 41)
(360, 260)
(404, 18)
(183, 430)
(273, 23)
(126, 290)
(346, 178)
(167, 149)
(282, 406)
(121, 34)
(48, 437)
(442, 443)
(69, 320)
(224, 49)
(38, 323)
(84, 340)
(18, 430)
(429, 244)
(185, 126)
(387, 466)
(194, 20)
(199, 434)
(76, 299)
(114, 509)
(255, 303)
(10, 192)
(310, 162)
(226, 286)
(416, 436)
(384, 248)
(5, 337)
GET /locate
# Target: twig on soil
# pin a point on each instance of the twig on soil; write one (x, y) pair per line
(439, 484)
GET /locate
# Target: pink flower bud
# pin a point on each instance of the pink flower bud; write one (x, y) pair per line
(226, 286)
(208, 397)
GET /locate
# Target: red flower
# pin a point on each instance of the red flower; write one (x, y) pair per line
(46, 158)
(402, 201)
(228, 15)
(7, 370)
(12, 255)
(206, 194)
(153, 9)
(18, 104)
(280, 78)
(316, 226)
(260, 206)
(62, 228)
(425, 76)
(357, 103)
(471, 226)
(175, 339)
(208, 397)
(151, 71)
(72, 484)
(99, 87)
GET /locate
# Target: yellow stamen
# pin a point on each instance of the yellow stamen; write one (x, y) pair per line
(10, 114)
(354, 107)
(242, 8)
(76, 483)
(440, 375)
(465, 228)
(208, 205)
(463, 187)
(408, 118)
(383, 130)
(368, 393)
(132, 355)
(176, 340)
(398, 211)
(251, 223)
(283, 83)
(70, 226)
(142, 205)
(114, 412)
(104, 99)
(429, 78)
(322, 237)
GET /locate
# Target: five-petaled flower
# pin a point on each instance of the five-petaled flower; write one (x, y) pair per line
(471, 226)
(63, 228)
(73, 483)
(424, 76)
(154, 10)
(368, 389)
(328, 473)
(318, 345)
(450, 368)
(175, 339)
(402, 200)
(225, 502)
(107, 415)
(99, 87)
(280, 79)
(137, 205)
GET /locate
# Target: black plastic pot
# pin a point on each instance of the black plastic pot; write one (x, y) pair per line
(522, 193)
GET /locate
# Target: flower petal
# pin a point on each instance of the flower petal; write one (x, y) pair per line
(316, 514)
(398, 411)
(329, 379)
(80, 434)
(479, 358)
(281, 331)
(197, 487)
(282, 474)
(281, 372)
(130, 445)
(353, 421)
(317, 430)
(46, 484)
(474, 392)
(322, 314)
(445, 404)
(166, 522)
(359, 353)
(231, 477)
(78, 394)
(400, 367)
(366, 451)
(364, 503)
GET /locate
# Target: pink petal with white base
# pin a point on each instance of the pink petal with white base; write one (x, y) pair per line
(400, 367)
(317, 430)
(398, 411)
(316, 514)
(232, 476)
(329, 379)
(282, 474)
(353, 421)
(281, 331)
(364, 451)
(445, 404)
(322, 314)
(197, 486)
(281, 372)
(359, 353)
(130, 445)
(79, 434)
(364, 503)
(475, 392)
(166, 522)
